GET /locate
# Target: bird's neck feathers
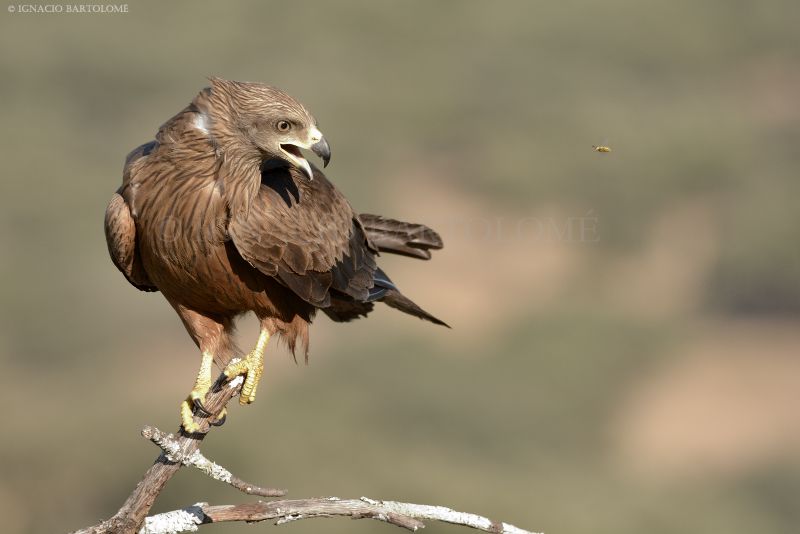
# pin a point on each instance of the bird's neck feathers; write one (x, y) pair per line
(241, 181)
(239, 165)
(214, 118)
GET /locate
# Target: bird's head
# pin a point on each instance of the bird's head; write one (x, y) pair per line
(263, 122)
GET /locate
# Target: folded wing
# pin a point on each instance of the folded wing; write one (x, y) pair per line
(305, 234)
(121, 240)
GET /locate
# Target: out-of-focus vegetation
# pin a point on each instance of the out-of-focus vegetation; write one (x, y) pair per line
(641, 378)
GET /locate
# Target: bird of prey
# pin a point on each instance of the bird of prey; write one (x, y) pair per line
(223, 215)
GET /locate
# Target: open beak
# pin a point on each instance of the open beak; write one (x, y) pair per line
(316, 143)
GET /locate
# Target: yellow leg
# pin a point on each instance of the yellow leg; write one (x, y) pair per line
(198, 394)
(251, 366)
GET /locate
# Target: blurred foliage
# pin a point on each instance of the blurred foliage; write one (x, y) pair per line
(500, 102)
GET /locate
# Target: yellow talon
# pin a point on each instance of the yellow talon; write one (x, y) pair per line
(198, 394)
(187, 417)
(252, 366)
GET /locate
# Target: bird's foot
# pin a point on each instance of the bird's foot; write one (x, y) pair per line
(193, 405)
(187, 417)
(251, 367)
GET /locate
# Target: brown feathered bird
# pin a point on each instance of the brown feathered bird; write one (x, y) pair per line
(224, 215)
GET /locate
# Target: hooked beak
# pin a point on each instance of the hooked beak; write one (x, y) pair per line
(316, 143)
(322, 149)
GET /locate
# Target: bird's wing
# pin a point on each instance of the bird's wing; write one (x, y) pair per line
(121, 239)
(120, 226)
(398, 237)
(305, 234)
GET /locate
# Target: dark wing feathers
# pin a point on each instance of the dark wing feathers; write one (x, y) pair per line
(306, 235)
(343, 310)
(311, 287)
(397, 237)
(309, 253)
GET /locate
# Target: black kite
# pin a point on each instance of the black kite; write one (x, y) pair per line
(224, 215)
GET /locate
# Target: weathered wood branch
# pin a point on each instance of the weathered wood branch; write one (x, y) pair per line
(171, 447)
(130, 517)
(184, 450)
(406, 515)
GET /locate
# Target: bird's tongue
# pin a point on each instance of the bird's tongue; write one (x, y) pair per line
(293, 150)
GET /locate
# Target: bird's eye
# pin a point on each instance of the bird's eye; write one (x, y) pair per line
(284, 126)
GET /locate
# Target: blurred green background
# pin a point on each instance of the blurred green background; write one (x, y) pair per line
(625, 355)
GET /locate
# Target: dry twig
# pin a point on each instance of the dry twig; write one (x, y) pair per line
(184, 450)
(171, 446)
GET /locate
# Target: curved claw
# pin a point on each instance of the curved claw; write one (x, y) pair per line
(193, 431)
(187, 418)
(200, 408)
(217, 385)
(219, 421)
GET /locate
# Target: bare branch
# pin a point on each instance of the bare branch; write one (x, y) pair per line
(130, 517)
(171, 446)
(183, 449)
(406, 515)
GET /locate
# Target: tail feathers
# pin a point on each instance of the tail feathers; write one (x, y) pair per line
(398, 301)
(398, 237)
